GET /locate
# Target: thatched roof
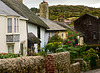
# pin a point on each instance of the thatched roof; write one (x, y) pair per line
(53, 25)
(33, 39)
(25, 12)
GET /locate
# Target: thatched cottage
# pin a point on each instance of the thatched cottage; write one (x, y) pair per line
(13, 32)
(35, 25)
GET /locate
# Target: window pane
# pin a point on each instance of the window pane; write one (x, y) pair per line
(14, 25)
(9, 25)
(17, 26)
(11, 49)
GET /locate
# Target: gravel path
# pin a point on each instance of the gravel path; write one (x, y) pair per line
(93, 71)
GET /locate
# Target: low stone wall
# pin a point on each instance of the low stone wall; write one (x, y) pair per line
(57, 63)
(52, 63)
(98, 63)
(75, 68)
(22, 65)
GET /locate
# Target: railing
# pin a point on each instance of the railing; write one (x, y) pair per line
(13, 38)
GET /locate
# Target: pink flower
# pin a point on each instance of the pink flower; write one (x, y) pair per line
(74, 39)
(76, 32)
(76, 44)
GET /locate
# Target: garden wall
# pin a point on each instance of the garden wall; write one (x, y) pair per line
(98, 63)
(57, 63)
(22, 65)
(52, 63)
(75, 68)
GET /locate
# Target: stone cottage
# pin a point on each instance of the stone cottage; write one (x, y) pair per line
(89, 27)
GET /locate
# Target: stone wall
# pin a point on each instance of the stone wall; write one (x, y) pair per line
(57, 63)
(98, 63)
(22, 65)
(52, 63)
(75, 68)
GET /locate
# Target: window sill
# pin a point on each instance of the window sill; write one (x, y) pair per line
(11, 33)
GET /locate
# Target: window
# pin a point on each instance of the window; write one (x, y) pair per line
(17, 26)
(9, 25)
(94, 36)
(90, 22)
(10, 48)
(13, 24)
(63, 35)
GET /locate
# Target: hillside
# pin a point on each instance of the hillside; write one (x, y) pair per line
(70, 11)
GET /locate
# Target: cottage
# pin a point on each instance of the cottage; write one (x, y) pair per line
(34, 25)
(13, 32)
(89, 28)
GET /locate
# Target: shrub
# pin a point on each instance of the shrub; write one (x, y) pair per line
(52, 47)
(92, 56)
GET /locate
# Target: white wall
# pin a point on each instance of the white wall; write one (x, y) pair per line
(3, 46)
(23, 36)
(46, 38)
(42, 36)
(3, 33)
(48, 34)
(33, 28)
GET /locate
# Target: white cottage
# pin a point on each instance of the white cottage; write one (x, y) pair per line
(34, 25)
(13, 32)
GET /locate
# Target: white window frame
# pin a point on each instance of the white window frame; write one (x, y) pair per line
(15, 25)
(9, 25)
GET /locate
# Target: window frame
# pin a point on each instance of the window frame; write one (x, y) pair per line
(9, 25)
(15, 25)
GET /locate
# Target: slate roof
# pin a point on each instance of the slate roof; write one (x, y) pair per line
(84, 16)
(65, 25)
(7, 11)
(24, 11)
(53, 25)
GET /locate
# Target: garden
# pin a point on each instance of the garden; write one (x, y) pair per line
(87, 55)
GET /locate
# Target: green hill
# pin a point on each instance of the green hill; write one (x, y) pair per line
(68, 11)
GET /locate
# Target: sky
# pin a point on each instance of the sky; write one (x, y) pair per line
(90, 3)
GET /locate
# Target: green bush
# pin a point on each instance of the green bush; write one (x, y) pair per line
(92, 56)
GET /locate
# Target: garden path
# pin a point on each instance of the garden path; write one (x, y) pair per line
(93, 71)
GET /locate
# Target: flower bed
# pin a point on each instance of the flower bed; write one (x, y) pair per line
(8, 55)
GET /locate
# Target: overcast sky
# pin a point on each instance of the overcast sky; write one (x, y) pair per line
(35, 3)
